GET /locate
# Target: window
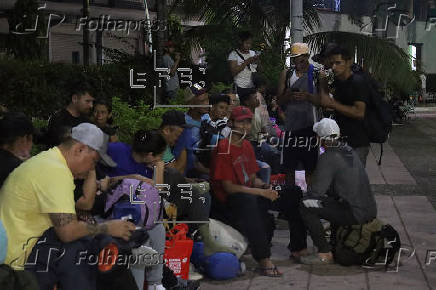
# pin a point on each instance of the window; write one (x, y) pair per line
(76, 57)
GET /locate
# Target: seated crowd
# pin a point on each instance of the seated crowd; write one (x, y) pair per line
(227, 149)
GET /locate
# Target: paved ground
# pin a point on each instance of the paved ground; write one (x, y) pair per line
(405, 188)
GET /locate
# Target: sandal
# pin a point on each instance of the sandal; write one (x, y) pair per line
(269, 272)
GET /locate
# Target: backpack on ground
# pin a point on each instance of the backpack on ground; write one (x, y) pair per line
(139, 199)
(378, 115)
(369, 244)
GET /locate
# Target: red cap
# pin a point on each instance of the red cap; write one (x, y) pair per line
(241, 113)
(169, 43)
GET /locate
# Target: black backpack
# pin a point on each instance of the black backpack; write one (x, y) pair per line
(367, 245)
(378, 115)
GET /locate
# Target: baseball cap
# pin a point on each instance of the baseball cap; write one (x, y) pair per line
(173, 118)
(298, 49)
(14, 125)
(92, 136)
(326, 128)
(169, 43)
(240, 113)
(193, 91)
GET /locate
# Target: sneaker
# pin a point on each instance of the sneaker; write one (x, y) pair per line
(187, 285)
(193, 274)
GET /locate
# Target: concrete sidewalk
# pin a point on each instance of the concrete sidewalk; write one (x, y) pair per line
(412, 216)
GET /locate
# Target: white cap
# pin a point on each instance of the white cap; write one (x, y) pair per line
(326, 127)
(91, 135)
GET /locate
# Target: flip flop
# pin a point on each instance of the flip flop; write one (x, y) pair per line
(269, 272)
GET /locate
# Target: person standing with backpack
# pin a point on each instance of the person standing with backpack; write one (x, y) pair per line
(297, 96)
(351, 96)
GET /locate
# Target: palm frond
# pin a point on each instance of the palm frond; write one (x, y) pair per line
(386, 61)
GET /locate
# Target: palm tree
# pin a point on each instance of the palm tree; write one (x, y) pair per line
(270, 19)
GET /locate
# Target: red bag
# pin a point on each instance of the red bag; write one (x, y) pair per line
(178, 249)
(278, 179)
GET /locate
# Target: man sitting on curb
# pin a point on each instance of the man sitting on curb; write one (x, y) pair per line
(350, 200)
(245, 197)
(37, 209)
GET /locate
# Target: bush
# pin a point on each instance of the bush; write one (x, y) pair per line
(129, 118)
(39, 89)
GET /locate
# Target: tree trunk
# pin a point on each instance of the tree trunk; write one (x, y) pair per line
(296, 21)
(162, 19)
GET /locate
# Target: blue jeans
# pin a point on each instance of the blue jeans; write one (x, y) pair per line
(264, 172)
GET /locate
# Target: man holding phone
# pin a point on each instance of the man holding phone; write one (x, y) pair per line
(296, 92)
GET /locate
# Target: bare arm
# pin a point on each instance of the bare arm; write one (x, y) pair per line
(180, 163)
(236, 69)
(232, 188)
(176, 64)
(356, 111)
(158, 172)
(69, 229)
(282, 84)
(115, 179)
(86, 201)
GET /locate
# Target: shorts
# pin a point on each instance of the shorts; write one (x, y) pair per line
(300, 150)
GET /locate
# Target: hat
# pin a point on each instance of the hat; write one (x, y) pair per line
(240, 113)
(326, 127)
(298, 49)
(193, 91)
(173, 118)
(16, 124)
(169, 43)
(91, 135)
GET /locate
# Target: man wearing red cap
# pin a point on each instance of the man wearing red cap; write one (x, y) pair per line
(242, 197)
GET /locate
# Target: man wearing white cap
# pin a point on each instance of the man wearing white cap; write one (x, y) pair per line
(37, 199)
(349, 200)
(296, 91)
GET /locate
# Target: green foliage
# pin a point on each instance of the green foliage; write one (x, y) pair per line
(26, 46)
(217, 88)
(130, 119)
(39, 89)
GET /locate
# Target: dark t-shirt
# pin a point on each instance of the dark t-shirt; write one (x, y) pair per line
(61, 123)
(347, 92)
(8, 163)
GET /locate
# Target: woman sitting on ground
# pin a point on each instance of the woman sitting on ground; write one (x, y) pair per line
(143, 161)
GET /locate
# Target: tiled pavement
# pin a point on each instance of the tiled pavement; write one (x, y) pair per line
(412, 215)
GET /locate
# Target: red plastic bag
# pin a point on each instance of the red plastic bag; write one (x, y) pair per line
(178, 250)
(278, 179)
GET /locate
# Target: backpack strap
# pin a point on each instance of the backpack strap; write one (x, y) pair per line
(242, 57)
(381, 154)
(310, 79)
(288, 77)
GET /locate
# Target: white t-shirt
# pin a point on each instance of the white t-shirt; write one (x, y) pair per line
(243, 79)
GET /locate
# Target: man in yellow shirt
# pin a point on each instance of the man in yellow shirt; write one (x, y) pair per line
(39, 195)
